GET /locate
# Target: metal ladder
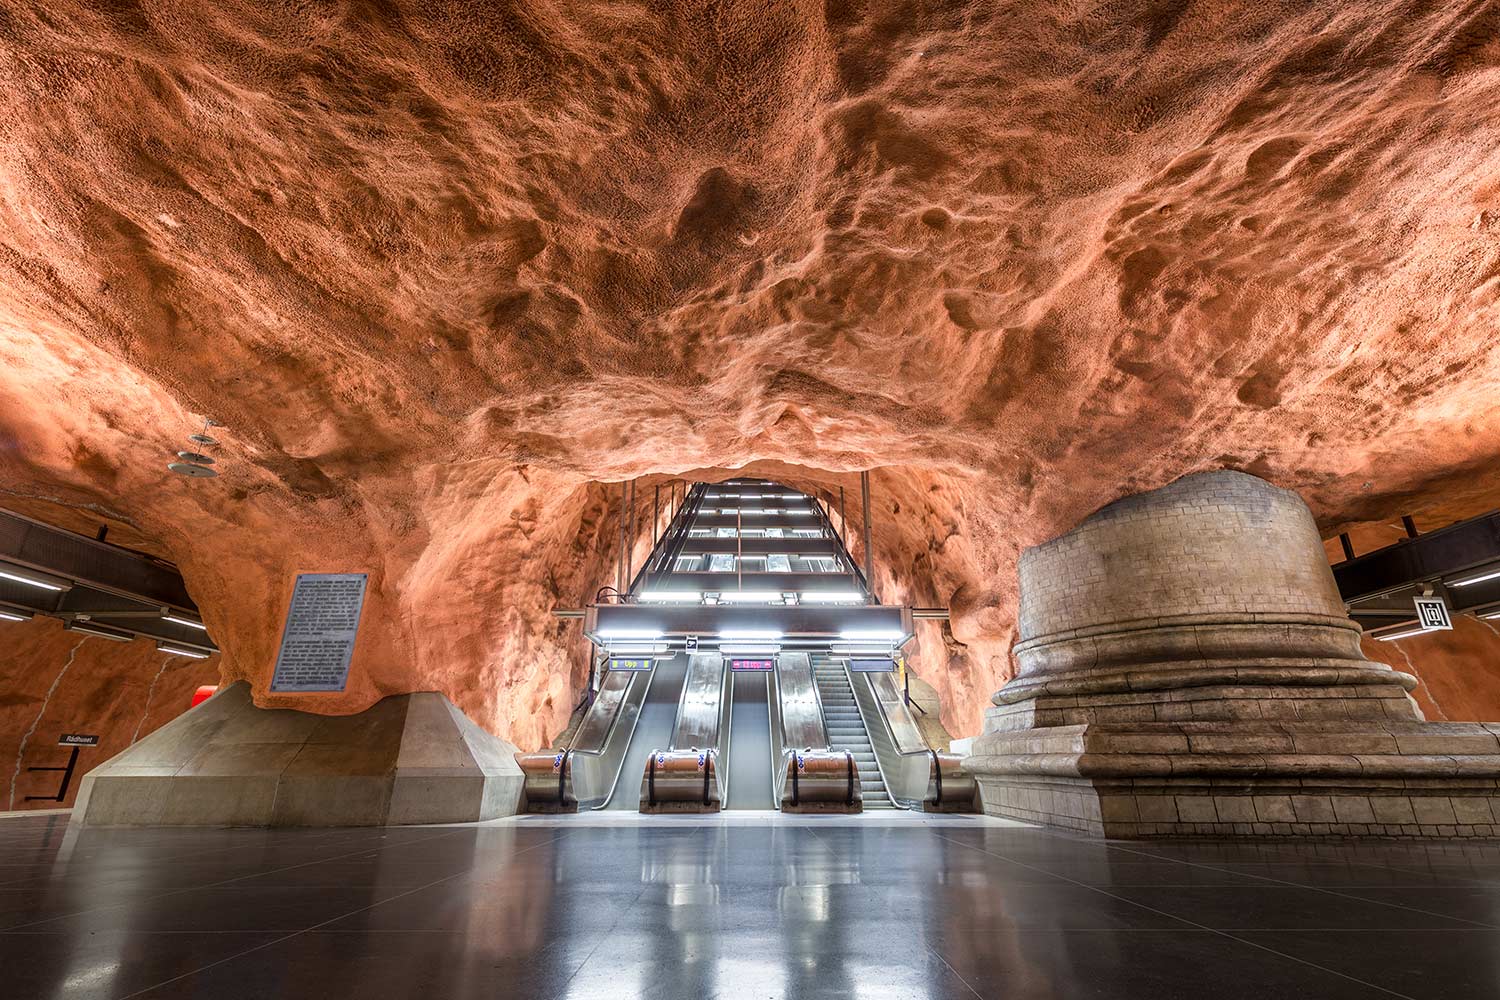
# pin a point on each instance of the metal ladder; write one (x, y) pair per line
(846, 730)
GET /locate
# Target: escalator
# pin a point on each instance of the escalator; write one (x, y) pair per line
(846, 729)
(653, 731)
(749, 752)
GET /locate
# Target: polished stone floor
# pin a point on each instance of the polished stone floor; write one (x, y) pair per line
(754, 908)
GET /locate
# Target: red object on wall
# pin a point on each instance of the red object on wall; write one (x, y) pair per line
(203, 694)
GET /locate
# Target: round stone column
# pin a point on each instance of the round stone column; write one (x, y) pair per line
(1217, 582)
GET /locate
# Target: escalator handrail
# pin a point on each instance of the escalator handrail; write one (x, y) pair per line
(890, 735)
(672, 542)
(614, 785)
(726, 729)
(812, 676)
(778, 743)
(855, 571)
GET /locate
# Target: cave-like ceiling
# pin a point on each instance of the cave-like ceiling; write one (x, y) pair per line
(440, 267)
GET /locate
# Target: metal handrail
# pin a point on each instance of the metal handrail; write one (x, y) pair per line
(843, 553)
(726, 733)
(777, 737)
(614, 784)
(779, 768)
(673, 537)
(890, 735)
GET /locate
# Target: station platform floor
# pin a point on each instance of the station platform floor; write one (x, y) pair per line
(748, 905)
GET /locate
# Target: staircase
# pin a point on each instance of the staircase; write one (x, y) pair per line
(846, 730)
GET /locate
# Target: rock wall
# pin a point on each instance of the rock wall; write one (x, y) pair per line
(444, 272)
(53, 681)
(1459, 670)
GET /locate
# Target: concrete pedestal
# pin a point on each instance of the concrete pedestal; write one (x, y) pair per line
(408, 759)
(1187, 668)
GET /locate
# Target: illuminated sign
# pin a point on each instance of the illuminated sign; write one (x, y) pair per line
(630, 663)
(884, 666)
(752, 664)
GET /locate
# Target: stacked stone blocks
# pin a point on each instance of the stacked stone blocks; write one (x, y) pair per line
(1187, 669)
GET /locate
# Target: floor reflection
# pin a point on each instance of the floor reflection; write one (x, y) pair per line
(952, 908)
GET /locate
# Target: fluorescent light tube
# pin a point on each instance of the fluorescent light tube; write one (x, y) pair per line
(770, 649)
(1470, 581)
(13, 616)
(750, 596)
(1402, 635)
(875, 634)
(831, 597)
(630, 633)
(750, 633)
(184, 621)
(175, 651)
(673, 596)
(98, 631)
(636, 648)
(31, 579)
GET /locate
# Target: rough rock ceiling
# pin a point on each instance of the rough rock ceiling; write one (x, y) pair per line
(440, 267)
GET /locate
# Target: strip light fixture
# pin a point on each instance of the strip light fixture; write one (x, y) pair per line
(32, 578)
(672, 596)
(873, 634)
(1402, 635)
(831, 597)
(7, 614)
(98, 631)
(750, 596)
(185, 621)
(177, 651)
(1470, 581)
(860, 649)
(751, 633)
(636, 648)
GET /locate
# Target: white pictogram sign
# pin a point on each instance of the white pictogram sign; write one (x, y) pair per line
(1432, 612)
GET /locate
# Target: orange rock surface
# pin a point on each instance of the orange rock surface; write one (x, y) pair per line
(53, 682)
(445, 270)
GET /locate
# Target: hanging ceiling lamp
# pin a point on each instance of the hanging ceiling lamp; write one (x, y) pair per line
(196, 463)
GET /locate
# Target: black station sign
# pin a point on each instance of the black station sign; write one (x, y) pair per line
(882, 666)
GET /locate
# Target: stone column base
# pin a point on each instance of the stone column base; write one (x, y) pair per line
(1357, 778)
(408, 759)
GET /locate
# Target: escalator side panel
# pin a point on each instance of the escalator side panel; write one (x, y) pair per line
(653, 730)
(750, 760)
(802, 722)
(703, 692)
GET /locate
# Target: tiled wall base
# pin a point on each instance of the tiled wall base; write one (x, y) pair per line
(1132, 808)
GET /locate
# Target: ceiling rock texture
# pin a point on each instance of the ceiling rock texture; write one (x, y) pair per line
(446, 270)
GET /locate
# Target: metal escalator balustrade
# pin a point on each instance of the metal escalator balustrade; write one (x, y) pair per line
(687, 775)
(755, 570)
(583, 775)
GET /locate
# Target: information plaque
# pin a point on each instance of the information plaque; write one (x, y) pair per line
(320, 628)
(630, 663)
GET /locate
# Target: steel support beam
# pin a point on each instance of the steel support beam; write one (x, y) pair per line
(99, 565)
